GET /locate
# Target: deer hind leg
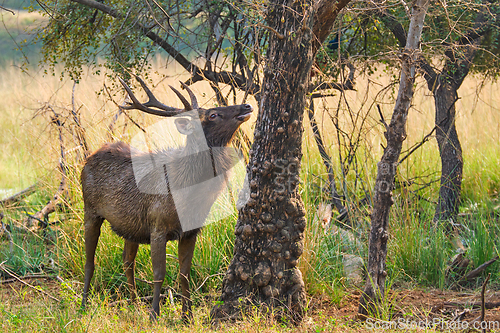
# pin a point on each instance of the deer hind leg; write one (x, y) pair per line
(92, 232)
(186, 249)
(129, 253)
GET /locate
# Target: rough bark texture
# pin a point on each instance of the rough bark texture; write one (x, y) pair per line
(269, 231)
(450, 152)
(444, 86)
(395, 135)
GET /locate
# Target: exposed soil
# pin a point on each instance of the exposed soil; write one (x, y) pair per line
(418, 308)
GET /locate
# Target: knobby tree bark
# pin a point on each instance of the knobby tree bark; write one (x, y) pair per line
(395, 134)
(270, 226)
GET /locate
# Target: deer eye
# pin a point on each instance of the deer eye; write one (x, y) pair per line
(213, 116)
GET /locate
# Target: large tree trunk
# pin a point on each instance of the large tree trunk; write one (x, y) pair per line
(450, 151)
(395, 134)
(269, 231)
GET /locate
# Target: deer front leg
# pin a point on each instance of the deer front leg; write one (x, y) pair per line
(129, 253)
(186, 249)
(158, 257)
(92, 233)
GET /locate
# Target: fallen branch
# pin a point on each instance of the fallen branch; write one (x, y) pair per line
(26, 277)
(42, 216)
(476, 272)
(18, 196)
(3, 268)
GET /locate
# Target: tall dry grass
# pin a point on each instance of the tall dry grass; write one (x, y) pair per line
(30, 152)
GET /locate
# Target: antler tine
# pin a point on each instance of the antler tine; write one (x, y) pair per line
(187, 106)
(161, 109)
(153, 102)
(194, 102)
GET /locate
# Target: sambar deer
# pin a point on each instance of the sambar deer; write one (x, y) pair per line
(150, 210)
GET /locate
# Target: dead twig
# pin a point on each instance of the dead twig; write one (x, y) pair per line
(336, 199)
(18, 196)
(3, 268)
(66, 285)
(26, 277)
(418, 145)
(205, 280)
(120, 111)
(382, 120)
(8, 10)
(482, 299)
(280, 36)
(144, 299)
(348, 83)
(80, 131)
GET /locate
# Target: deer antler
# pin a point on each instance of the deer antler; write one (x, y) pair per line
(184, 101)
(194, 102)
(160, 109)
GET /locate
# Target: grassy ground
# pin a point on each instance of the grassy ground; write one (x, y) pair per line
(418, 252)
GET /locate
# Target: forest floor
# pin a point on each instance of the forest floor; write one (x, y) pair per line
(426, 310)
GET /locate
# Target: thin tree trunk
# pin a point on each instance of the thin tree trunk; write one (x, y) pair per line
(269, 231)
(450, 152)
(395, 134)
(444, 85)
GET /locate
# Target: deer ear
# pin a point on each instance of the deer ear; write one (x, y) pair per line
(184, 126)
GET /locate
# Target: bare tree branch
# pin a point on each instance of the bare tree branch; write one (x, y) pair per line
(8, 10)
(336, 199)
